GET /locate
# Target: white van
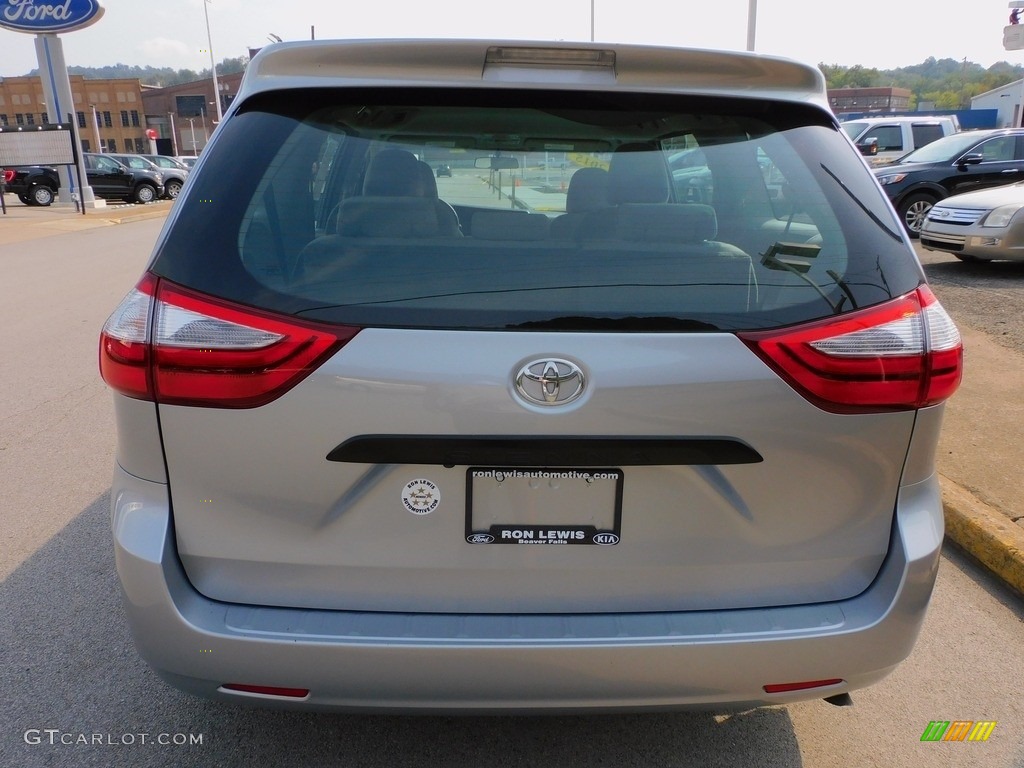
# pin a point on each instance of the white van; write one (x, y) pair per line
(884, 139)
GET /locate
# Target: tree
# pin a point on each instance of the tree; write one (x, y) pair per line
(947, 82)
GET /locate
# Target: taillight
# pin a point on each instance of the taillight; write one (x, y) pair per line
(178, 347)
(901, 355)
(8, 176)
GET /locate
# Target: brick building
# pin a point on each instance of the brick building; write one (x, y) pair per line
(884, 100)
(186, 113)
(108, 113)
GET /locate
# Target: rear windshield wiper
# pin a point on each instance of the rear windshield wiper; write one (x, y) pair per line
(796, 258)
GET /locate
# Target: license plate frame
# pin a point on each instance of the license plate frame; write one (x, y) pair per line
(521, 505)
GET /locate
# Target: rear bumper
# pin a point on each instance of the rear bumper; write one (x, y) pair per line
(991, 244)
(366, 661)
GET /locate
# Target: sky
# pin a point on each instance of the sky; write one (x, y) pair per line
(880, 34)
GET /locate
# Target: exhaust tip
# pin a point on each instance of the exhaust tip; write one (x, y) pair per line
(840, 700)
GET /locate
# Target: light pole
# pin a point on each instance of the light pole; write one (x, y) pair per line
(174, 135)
(591, 20)
(751, 23)
(96, 128)
(213, 65)
(192, 125)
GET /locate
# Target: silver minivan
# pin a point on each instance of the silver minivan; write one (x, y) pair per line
(637, 409)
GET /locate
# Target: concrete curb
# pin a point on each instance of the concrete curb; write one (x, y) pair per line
(986, 534)
(142, 216)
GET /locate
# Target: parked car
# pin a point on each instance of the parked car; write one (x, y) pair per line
(173, 174)
(113, 180)
(33, 184)
(383, 450)
(885, 139)
(964, 162)
(172, 167)
(188, 161)
(109, 179)
(167, 161)
(978, 226)
(444, 170)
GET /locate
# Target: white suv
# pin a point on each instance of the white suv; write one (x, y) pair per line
(636, 409)
(883, 140)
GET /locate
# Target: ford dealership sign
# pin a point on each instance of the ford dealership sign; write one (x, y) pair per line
(42, 16)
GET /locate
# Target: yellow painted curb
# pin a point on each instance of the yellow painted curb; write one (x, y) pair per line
(990, 536)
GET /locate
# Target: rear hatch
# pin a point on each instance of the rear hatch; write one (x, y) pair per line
(701, 398)
(263, 516)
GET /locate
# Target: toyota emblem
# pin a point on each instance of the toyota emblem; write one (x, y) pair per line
(550, 381)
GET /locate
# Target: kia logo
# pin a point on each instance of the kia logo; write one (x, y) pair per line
(605, 539)
(550, 381)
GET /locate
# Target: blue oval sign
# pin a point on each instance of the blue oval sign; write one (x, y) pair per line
(42, 16)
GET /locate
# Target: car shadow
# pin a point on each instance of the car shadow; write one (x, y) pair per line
(77, 693)
(984, 578)
(957, 271)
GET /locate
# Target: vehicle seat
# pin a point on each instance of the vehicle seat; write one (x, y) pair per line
(395, 174)
(638, 174)
(401, 217)
(588, 191)
(510, 226)
(430, 190)
(689, 224)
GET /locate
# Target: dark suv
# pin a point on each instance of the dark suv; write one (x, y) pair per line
(113, 180)
(109, 179)
(962, 162)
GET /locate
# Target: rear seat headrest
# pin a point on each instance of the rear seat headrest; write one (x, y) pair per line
(588, 190)
(638, 174)
(427, 180)
(394, 173)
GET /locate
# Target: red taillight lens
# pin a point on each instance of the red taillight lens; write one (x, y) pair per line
(8, 176)
(900, 355)
(178, 347)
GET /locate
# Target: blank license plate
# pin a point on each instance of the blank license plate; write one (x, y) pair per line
(540, 506)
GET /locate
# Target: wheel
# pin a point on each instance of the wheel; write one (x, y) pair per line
(41, 195)
(913, 210)
(172, 189)
(145, 193)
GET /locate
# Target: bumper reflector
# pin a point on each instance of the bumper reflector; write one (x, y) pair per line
(266, 690)
(787, 687)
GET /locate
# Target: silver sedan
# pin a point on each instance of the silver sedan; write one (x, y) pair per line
(978, 226)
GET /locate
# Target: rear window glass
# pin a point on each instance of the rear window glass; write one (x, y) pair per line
(536, 210)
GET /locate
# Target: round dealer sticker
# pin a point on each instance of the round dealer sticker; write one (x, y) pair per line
(421, 497)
